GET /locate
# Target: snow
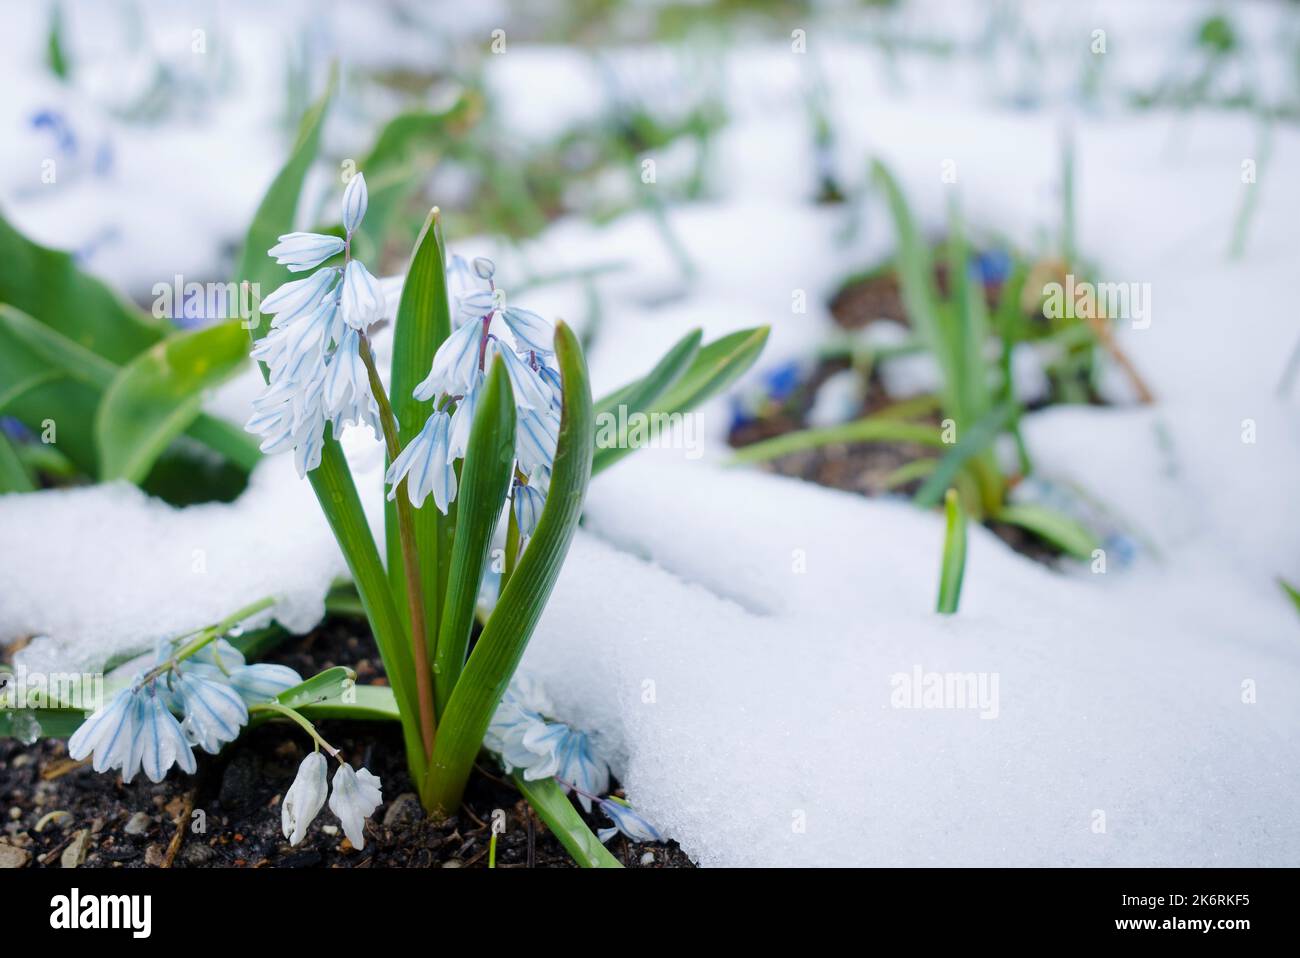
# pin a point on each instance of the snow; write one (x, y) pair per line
(735, 639)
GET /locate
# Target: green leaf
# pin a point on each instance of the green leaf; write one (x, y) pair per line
(637, 396)
(159, 394)
(972, 444)
(368, 703)
(484, 482)
(554, 808)
(714, 367)
(953, 567)
(50, 723)
(329, 684)
(275, 214)
(1291, 591)
(870, 429)
(13, 474)
(46, 283)
(1060, 530)
(511, 625)
(423, 322)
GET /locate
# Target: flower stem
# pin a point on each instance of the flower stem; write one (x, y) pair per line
(295, 716)
(208, 635)
(410, 558)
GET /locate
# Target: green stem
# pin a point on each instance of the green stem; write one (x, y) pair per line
(208, 635)
(406, 530)
(295, 716)
(512, 546)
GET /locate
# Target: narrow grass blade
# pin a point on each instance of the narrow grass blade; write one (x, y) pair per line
(871, 429)
(554, 808)
(1291, 591)
(484, 481)
(640, 394)
(973, 443)
(22, 724)
(715, 367)
(511, 625)
(423, 322)
(1060, 530)
(158, 394)
(953, 567)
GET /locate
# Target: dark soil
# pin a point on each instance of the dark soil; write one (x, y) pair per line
(56, 811)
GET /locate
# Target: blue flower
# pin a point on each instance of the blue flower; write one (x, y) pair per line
(348, 399)
(262, 682)
(158, 742)
(108, 733)
(531, 332)
(537, 433)
(362, 299)
(302, 251)
(355, 200)
(627, 821)
(298, 297)
(426, 465)
(214, 711)
(455, 364)
(529, 390)
(529, 500)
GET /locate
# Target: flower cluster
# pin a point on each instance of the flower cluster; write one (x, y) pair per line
(357, 793)
(313, 350)
(484, 327)
(211, 690)
(538, 747)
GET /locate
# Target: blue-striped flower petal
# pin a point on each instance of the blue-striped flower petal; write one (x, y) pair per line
(426, 466)
(531, 332)
(537, 432)
(454, 364)
(108, 733)
(528, 505)
(159, 742)
(298, 297)
(530, 392)
(355, 200)
(579, 767)
(362, 300)
(263, 682)
(302, 251)
(473, 306)
(627, 821)
(214, 712)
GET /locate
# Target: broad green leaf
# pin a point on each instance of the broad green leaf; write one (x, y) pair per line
(953, 567)
(554, 808)
(370, 703)
(46, 284)
(511, 624)
(158, 394)
(62, 384)
(870, 429)
(1291, 591)
(715, 367)
(333, 683)
(484, 481)
(423, 322)
(22, 724)
(275, 214)
(13, 474)
(1060, 530)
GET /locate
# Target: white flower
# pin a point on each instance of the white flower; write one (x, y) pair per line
(291, 351)
(302, 803)
(454, 364)
(355, 200)
(355, 796)
(530, 392)
(531, 332)
(529, 500)
(474, 306)
(348, 398)
(462, 281)
(262, 682)
(363, 301)
(627, 821)
(537, 433)
(214, 712)
(426, 465)
(298, 297)
(301, 251)
(462, 420)
(109, 733)
(159, 741)
(484, 268)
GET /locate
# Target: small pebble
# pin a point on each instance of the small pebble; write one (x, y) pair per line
(648, 858)
(75, 853)
(153, 856)
(15, 813)
(451, 864)
(138, 824)
(330, 829)
(21, 760)
(197, 854)
(11, 857)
